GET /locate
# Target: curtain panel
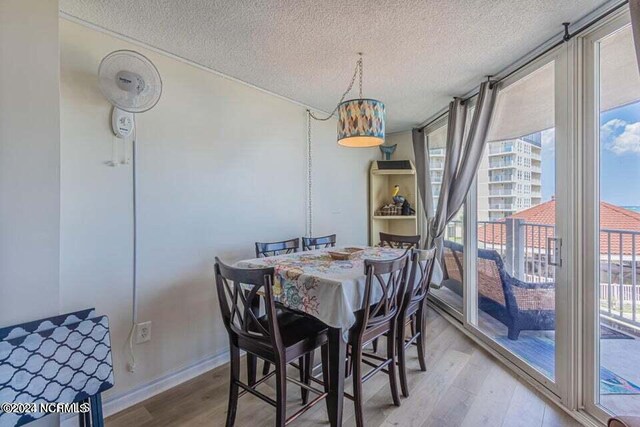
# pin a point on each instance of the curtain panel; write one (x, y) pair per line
(462, 157)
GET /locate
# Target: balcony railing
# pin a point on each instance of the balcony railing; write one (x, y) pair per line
(503, 192)
(497, 149)
(523, 248)
(504, 164)
(501, 206)
(619, 294)
(500, 178)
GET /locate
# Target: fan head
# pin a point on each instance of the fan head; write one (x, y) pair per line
(130, 81)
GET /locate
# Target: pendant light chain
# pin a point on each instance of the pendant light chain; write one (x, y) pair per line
(356, 72)
(361, 72)
(309, 178)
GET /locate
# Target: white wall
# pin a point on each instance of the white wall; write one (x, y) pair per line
(29, 160)
(220, 164)
(405, 145)
(29, 163)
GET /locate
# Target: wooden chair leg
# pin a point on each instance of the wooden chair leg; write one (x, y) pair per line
(252, 367)
(413, 325)
(84, 418)
(306, 368)
(324, 354)
(391, 354)
(281, 394)
(402, 363)
(234, 377)
(374, 344)
(357, 383)
(422, 337)
(97, 420)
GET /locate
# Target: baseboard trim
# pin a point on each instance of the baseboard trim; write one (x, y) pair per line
(122, 401)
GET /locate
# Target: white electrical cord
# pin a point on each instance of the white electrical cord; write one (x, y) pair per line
(131, 366)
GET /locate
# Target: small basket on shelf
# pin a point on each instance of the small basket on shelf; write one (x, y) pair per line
(389, 210)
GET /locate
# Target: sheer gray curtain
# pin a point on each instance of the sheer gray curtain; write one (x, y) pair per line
(461, 161)
(634, 6)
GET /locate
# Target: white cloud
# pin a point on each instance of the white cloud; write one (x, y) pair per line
(628, 141)
(621, 137)
(548, 138)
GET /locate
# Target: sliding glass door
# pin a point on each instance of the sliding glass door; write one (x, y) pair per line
(543, 263)
(612, 225)
(520, 207)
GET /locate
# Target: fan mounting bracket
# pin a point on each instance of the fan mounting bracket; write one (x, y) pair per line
(122, 122)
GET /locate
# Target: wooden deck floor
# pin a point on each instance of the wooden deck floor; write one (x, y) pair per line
(463, 386)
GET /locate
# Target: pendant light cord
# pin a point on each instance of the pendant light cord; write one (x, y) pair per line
(356, 72)
(309, 176)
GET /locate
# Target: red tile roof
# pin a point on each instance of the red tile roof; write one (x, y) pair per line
(611, 218)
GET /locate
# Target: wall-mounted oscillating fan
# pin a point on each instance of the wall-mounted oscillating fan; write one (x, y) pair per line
(132, 84)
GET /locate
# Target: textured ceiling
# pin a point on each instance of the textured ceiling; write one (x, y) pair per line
(418, 53)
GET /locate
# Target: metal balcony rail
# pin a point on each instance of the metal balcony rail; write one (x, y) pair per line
(523, 248)
(508, 148)
(504, 164)
(500, 178)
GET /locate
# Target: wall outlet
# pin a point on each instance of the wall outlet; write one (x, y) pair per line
(143, 332)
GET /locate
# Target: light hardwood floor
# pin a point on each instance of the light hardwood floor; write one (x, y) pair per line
(463, 386)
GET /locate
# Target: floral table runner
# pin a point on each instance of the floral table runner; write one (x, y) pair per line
(314, 283)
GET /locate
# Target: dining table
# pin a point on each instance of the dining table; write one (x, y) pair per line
(330, 290)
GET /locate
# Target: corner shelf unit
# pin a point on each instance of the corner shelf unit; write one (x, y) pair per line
(381, 183)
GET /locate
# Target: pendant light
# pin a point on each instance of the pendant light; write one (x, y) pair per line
(361, 120)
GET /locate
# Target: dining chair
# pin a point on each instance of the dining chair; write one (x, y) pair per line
(266, 249)
(413, 312)
(311, 243)
(383, 294)
(270, 337)
(399, 241)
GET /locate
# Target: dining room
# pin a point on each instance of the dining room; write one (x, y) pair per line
(307, 213)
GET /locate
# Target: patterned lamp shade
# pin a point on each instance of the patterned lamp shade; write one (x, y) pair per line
(361, 123)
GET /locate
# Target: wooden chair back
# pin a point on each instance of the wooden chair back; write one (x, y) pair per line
(389, 277)
(239, 292)
(420, 277)
(268, 249)
(399, 241)
(311, 243)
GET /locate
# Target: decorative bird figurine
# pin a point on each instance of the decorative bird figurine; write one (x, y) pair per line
(387, 150)
(397, 198)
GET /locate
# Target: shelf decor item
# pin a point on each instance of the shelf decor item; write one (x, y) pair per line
(398, 199)
(388, 150)
(389, 211)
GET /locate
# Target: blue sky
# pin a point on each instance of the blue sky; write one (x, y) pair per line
(619, 157)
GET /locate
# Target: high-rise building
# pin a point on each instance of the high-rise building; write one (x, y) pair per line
(509, 176)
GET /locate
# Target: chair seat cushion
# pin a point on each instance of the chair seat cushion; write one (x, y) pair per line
(295, 328)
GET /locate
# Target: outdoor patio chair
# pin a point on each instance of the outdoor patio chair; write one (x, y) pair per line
(518, 305)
